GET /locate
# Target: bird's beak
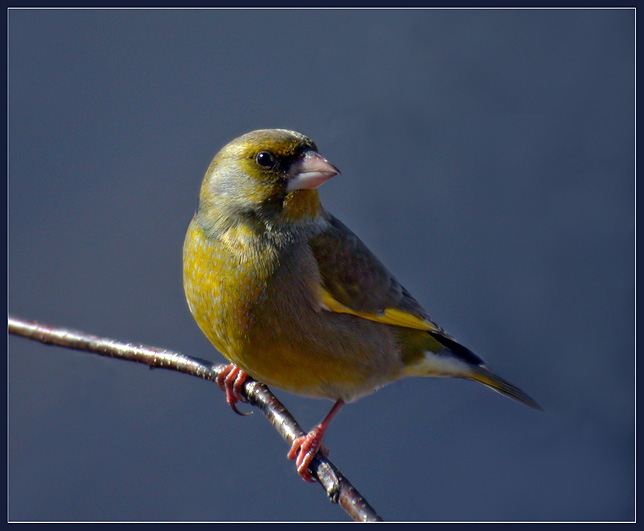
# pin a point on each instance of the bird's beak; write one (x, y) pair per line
(309, 171)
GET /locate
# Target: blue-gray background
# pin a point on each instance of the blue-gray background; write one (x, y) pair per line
(487, 158)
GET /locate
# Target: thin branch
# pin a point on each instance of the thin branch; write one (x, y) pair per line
(337, 487)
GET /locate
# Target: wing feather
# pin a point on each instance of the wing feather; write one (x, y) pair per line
(354, 281)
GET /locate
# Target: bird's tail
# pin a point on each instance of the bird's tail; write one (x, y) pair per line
(498, 384)
(443, 356)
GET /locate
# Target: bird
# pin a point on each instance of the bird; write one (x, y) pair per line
(294, 299)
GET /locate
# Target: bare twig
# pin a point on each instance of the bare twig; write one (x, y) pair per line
(337, 487)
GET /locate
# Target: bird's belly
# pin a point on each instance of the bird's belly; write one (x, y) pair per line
(335, 364)
(299, 347)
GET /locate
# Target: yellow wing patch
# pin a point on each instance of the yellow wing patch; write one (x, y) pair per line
(390, 316)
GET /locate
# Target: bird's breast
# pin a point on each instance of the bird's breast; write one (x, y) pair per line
(225, 278)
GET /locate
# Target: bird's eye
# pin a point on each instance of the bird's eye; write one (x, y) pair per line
(264, 159)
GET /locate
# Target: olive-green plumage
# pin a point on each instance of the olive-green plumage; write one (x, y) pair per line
(291, 296)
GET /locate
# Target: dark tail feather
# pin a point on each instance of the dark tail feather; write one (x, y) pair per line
(457, 349)
(482, 374)
(498, 384)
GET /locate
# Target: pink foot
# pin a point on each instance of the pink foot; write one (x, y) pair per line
(305, 448)
(231, 379)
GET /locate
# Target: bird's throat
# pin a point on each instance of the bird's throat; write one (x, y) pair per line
(301, 206)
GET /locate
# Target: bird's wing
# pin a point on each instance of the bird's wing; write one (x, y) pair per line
(354, 281)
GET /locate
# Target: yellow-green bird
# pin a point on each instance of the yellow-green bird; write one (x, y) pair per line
(293, 298)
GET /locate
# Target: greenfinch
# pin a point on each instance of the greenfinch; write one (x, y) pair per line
(293, 298)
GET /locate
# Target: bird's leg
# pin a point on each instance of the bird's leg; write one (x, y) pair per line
(231, 379)
(305, 447)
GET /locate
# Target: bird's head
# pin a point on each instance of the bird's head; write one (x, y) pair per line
(269, 175)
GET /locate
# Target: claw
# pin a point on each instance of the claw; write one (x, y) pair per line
(231, 379)
(305, 448)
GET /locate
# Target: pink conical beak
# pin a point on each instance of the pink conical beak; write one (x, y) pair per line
(309, 171)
